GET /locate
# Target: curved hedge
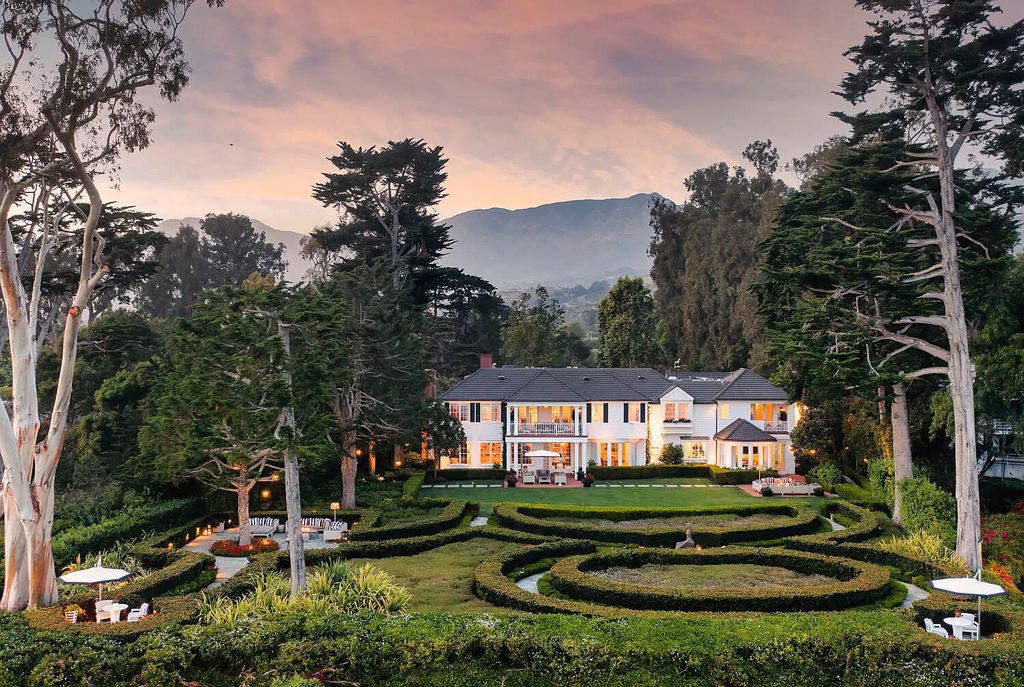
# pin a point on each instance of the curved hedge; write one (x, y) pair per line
(537, 519)
(450, 516)
(858, 584)
(716, 474)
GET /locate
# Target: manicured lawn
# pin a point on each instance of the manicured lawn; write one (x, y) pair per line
(609, 496)
(440, 580)
(743, 576)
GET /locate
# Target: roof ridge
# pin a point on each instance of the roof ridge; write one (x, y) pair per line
(729, 380)
(518, 388)
(630, 385)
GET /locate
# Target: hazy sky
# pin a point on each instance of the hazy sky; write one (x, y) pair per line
(534, 101)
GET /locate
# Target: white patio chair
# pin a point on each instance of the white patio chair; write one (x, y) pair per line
(263, 527)
(543, 477)
(137, 614)
(972, 631)
(561, 478)
(101, 612)
(529, 478)
(935, 629)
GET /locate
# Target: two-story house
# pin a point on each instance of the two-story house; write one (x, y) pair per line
(621, 416)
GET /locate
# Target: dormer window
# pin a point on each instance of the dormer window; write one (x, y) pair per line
(677, 411)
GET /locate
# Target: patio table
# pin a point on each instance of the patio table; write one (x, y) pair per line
(114, 611)
(961, 623)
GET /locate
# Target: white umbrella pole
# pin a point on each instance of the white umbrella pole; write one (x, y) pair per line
(101, 593)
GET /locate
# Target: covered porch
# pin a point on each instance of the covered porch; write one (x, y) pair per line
(565, 457)
(744, 446)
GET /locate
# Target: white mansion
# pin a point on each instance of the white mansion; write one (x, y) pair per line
(621, 416)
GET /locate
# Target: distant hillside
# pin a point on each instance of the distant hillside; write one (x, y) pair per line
(560, 244)
(296, 264)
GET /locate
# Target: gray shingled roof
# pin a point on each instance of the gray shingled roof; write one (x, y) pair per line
(577, 384)
(747, 385)
(742, 430)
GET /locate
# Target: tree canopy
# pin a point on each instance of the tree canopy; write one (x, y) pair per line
(627, 327)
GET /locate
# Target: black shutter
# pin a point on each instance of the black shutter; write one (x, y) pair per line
(606, 412)
(625, 412)
(643, 412)
(589, 412)
(474, 413)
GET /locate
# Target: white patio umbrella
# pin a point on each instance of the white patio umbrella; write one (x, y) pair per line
(95, 576)
(542, 453)
(968, 586)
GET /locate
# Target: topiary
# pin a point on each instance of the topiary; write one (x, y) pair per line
(672, 454)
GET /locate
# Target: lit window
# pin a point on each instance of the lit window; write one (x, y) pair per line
(677, 411)
(490, 412)
(634, 412)
(461, 456)
(695, 450)
(459, 411)
(758, 411)
(723, 410)
(490, 453)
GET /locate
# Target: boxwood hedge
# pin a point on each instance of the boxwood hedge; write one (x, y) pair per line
(794, 519)
(450, 516)
(857, 583)
(714, 473)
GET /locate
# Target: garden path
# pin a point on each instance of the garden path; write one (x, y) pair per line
(229, 566)
(835, 525)
(478, 521)
(529, 583)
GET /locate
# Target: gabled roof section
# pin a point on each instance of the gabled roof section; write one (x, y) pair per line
(742, 430)
(747, 385)
(703, 386)
(546, 387)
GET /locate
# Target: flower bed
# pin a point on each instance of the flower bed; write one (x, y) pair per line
(857, 583)
(794, 519)
(231, 549)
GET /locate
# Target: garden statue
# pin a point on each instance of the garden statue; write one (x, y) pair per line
(687, 543)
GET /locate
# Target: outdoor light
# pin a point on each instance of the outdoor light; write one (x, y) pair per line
(170, 545)
(265, 494)
(359, 452)
(334, 507)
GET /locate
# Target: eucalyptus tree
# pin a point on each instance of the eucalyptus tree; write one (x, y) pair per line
(949, 74)
(69, 106)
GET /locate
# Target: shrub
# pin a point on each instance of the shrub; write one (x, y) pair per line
(827, 475)
(927, 546)
(857, 584)
(231, 549)
(466, 474)
(767, 491)
(672, 454)
(411, 488)
(1003, 542)
(927, 507)
(713, 472)
(335, 587)
(126, 525)
(538, 519)
(450, 516)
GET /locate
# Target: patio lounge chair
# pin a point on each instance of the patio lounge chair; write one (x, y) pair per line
(263, 527)
(935, 629)
(543, 477)
(336, 531)
(529, 477)
(137, 614)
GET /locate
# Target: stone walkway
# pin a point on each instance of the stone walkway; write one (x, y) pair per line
(229, 566)
(529, 584)
(835, 525)
(478, 521)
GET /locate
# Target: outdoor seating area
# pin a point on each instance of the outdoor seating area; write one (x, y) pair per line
(547, 468)
(785, 486)
(263, 527)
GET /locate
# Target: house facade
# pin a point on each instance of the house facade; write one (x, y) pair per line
(621, 417)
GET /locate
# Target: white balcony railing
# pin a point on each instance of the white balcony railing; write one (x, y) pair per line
(780, 426)
(557, 429)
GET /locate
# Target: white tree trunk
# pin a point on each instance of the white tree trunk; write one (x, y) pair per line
(244, 529)
(293, 498)
(901, 455)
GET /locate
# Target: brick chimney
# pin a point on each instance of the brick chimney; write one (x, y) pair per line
(486, 361)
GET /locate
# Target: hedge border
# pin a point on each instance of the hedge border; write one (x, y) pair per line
(465, 475)
(714, 473)
(859, 583)
(450, 516)
(531, 518)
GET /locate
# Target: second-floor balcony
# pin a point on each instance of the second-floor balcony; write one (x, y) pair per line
(548, 429)
(777, 426)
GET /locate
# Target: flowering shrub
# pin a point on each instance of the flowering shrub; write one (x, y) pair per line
(1002, 541)
(230, 547)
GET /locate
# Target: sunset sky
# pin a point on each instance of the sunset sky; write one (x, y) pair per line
(533, 101)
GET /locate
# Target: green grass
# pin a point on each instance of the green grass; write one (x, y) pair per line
(440, 580)
(610, 496)
(733, 576)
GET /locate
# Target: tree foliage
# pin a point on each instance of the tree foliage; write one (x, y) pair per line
(536, 334)
(705, 257)
(627, 326)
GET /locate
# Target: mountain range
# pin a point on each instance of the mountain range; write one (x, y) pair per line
(558, 244)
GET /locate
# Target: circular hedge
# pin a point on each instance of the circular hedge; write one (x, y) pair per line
(793, 520)
(858, 583)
